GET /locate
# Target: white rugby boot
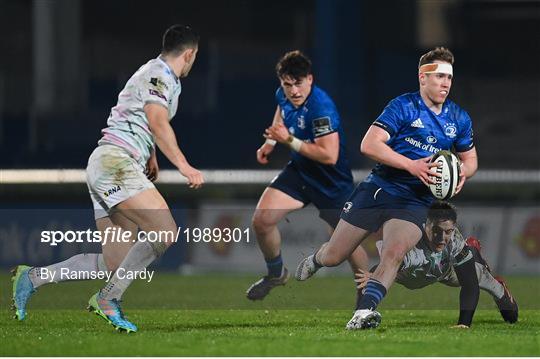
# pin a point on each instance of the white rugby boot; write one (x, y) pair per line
(364, 319)
(306, 268)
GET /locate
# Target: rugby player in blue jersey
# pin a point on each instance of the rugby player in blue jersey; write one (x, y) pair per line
(119, 177)
(395, 196)
(307, 121)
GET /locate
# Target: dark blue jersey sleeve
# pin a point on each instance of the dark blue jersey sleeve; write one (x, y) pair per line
(323, 126)
(323, 119)
(464, 140)
(391, 118)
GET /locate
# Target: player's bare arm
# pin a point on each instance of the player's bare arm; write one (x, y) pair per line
(469, 165)
(325, 149)
(166, 141)
(374, 146)
(469, 293)
(264, 151)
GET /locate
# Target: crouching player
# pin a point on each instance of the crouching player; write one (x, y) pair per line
(442, 255)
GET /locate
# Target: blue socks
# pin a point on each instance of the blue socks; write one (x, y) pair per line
(373, 294)
(275, 266)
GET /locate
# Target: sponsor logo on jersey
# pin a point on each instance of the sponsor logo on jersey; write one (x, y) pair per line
(301, 122)
(159, 84)
(159, 88)
(347, 207)
(112, 191)
(423, 146)
(417, 123)
(322, 126)
(431, 139)
(157, 93)
(450, 130)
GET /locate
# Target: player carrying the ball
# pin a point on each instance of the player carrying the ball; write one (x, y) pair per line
(444, 256)
(395, 196)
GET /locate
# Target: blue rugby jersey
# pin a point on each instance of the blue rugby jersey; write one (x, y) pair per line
(317, 117)
(417, 132)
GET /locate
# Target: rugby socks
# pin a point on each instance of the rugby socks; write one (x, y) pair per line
(81, 264)
(140, 256)
(275, 266)
(373, 294)
(315, 262)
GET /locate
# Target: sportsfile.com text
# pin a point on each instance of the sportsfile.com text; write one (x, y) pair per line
(117, 235)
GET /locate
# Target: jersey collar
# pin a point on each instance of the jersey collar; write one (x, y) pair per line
(422, 103)
(176, 78)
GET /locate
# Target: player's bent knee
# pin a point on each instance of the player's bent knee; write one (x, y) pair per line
(262, 221)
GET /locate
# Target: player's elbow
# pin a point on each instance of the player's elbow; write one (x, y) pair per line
(331, 159)
(158, 128)
(366, 148)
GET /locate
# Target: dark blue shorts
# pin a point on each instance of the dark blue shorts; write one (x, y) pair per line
(369, 207)
(290, 182)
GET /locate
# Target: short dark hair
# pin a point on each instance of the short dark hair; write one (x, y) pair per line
(441, 211)
(438, 53)
(178, 38)
(294, 64)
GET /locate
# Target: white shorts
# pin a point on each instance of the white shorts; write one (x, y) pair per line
(113, 176)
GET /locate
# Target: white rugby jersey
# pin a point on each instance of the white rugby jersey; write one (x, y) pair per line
(127, 125)
(422, 266)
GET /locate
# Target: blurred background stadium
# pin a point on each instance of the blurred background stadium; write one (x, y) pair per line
(64, 61)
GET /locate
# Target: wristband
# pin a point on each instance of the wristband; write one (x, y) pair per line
(270, 142)
(294, 143)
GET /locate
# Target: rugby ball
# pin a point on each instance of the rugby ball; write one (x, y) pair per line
(449, 167)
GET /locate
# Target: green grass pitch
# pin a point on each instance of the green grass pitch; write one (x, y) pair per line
(209, 316)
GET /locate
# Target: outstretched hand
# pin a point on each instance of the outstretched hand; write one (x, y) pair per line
(193, 175)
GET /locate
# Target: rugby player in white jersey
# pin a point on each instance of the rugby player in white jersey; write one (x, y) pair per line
(119, 178)
(444, 256)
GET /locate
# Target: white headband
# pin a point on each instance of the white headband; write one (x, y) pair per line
(445, 68)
